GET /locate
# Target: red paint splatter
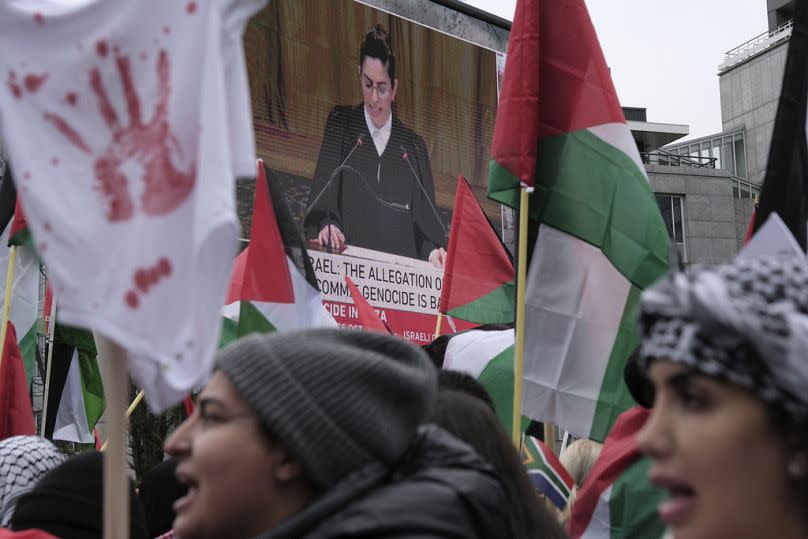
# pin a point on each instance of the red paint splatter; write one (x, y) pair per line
(39, 18)
(42, 247)
(71, 98)
(154, 275)
(16, 91)
(132, 300)
(141, 279)
(102, 48)
(166, 30)
(55, 161)
(34, 82)
(190, 7)
(164, 266)
(143, 56)
(26, 175)
(68, 132)
(47, 226)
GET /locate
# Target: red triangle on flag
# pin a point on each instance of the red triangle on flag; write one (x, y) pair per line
(16, 415)
(368, 318)
(261, 271)
(18, 224)
(476, 262)
(574, 91)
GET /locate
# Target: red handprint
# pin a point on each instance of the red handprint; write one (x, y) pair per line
(149, 144)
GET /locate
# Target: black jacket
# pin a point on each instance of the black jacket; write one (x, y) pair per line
(375, 200)
(441, 489)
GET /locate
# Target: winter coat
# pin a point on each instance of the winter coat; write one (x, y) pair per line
(440, 489)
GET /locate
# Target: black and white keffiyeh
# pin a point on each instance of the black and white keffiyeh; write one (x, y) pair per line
(745, 323)
(23, 460)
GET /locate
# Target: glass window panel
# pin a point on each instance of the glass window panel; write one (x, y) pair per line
(740, 159)
(717, 153)
(664, 203)
(678, 234)
(729, 160)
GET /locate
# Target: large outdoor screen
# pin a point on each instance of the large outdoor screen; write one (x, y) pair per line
(367, 119)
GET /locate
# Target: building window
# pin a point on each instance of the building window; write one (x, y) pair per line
(672, 209)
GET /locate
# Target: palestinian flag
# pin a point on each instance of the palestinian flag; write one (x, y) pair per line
(76, 391)
(368, 318)
(273, 286)
(25, 291)
(478, 275)
(546, 472)
(16, 415)
(617, 499)
(487, 356)
(785, 190)
(600, 236)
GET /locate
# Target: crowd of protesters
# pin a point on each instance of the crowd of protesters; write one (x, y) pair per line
(332, 433)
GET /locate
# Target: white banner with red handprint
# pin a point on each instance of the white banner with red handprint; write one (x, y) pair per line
(127, 122)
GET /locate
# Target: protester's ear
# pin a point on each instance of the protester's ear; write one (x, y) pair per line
(287, 466)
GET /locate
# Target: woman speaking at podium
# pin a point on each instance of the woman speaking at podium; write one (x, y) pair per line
(373, 183)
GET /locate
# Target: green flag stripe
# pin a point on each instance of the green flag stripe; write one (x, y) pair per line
(229, 332)
(550, 473)
(92, 386)
(633, 503)
(497, 378)
(614, 397)
(502, 185)
(22, 238)
(250, 320)
(496, 307)
(28, 352)
(591, 190)
(594, 191)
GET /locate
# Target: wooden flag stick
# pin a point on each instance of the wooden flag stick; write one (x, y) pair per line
(51, 331)
(116, 490)
(12, 263)
(519, 348)
(129, 411)
(437, 324)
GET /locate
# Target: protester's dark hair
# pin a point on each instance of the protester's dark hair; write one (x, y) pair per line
(794, 432)
(471, 421)
(158, 492)
(465, 383)
(378, 44)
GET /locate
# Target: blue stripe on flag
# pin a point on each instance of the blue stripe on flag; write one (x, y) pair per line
(543, 484)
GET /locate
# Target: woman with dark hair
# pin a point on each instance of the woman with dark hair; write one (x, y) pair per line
(725, 351)
(470, 420)
(373, 183)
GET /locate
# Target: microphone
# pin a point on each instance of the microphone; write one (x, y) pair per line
(359, 142)
(406, 157)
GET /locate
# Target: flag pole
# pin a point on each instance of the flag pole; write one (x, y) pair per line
(437, 324)
(129, 411)
(12, 263)
(51, 331)
(519, 348)
(116, 491)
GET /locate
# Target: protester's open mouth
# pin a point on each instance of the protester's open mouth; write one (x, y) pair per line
(185, 501)
(680, 502)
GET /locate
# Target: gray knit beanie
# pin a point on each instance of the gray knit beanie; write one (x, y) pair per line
(339, 399)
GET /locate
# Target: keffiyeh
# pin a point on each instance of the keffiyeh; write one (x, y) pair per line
(745, 323)
(23, 460)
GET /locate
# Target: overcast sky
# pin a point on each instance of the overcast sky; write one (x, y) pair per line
(664, 55)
